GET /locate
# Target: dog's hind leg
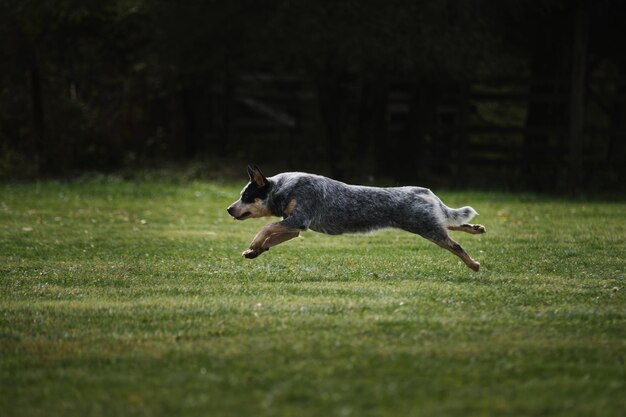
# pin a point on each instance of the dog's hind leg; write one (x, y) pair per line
(474, 229)
(456, 249)
(271, 235)
(438, 234)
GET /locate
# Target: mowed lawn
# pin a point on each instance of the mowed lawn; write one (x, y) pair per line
(122, 298)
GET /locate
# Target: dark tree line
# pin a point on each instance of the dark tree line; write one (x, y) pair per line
(519, 93)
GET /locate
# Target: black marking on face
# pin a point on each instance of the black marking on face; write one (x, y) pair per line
(253, 192)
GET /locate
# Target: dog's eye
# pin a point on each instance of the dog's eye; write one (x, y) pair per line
(247, 198)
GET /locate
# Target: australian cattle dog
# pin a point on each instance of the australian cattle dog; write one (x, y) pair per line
(308, 201)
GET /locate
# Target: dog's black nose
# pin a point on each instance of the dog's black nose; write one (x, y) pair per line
(230, 210)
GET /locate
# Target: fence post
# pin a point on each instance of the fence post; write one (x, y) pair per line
(577, 91)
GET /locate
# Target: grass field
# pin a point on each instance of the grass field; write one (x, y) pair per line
(131, 298)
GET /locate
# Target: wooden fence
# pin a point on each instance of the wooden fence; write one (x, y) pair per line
(511, 132)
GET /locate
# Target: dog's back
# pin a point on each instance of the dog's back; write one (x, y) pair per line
(333, 207)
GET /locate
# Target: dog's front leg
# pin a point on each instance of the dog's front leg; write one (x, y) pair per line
(271, 235)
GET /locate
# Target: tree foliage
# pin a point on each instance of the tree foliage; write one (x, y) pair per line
(98, 84)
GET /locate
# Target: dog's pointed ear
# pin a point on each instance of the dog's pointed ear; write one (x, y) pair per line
(256, 176)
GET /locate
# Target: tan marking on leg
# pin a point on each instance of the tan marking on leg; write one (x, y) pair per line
(456, 249)
(474, 229)
(278, 238)
(271, 235)
(290, 207)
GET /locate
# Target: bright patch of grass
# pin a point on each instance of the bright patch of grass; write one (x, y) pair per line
(131, 298)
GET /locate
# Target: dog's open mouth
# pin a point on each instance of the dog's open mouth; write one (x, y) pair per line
(243, 216)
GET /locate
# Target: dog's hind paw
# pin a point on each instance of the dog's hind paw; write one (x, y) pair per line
(479, 228)
(475, 266)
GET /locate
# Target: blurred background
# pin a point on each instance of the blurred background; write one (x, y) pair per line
(513, 95)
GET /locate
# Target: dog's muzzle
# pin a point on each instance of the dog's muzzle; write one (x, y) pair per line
(232, 210)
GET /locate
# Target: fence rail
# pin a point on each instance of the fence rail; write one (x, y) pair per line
(513, 126)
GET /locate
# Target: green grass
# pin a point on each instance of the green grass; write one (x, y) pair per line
(131, 298)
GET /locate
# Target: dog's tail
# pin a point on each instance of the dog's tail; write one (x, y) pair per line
(457, 217)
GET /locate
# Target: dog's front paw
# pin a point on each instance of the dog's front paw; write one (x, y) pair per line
(252, 253)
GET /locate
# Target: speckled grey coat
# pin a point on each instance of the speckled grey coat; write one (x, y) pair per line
(333, 207)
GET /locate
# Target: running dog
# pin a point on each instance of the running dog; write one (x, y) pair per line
(308, 201)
